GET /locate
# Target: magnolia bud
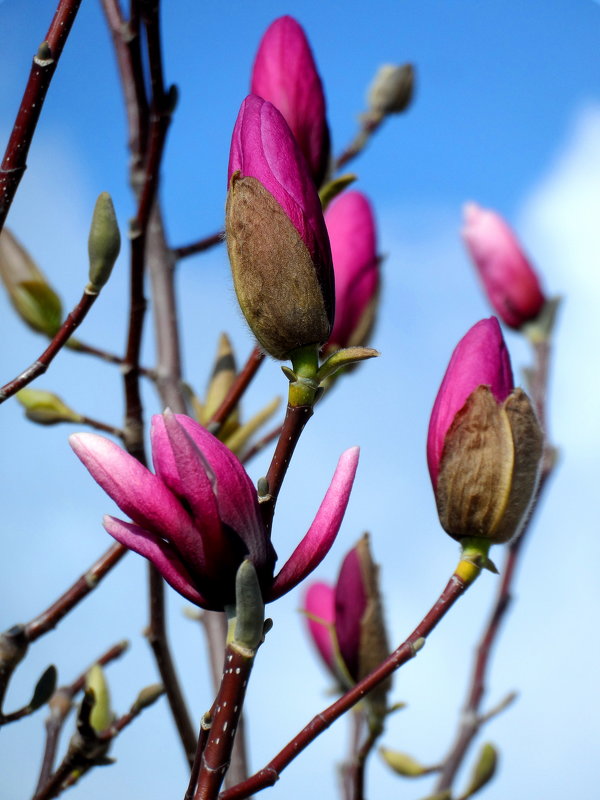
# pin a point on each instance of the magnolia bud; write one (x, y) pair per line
(484, 444)
(392, 89)
(104, 241)
(276, 236)
(31, 295)
(285, 74)
(508, 278)
(101, 715)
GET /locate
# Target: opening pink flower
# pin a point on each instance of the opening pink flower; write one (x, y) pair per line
(286, 75)
(198, 518)
(508, 278)
(352, 235)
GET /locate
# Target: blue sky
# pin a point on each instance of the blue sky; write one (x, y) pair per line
(507, 113)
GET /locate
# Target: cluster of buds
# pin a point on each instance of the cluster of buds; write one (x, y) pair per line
(346, 623)
(484, 443)
(197, 519)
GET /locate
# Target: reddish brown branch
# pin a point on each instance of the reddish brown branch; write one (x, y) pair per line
(269, 774)
(238, 387)
(44, 65)
(198, 247)
(71, 323)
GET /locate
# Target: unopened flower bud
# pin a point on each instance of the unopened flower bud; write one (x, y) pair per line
(104, 241)
(276, 236)
(285, 74)
(484, 443)
(392, 89)
(46, 408)
(352, 235)
(31, 295)
(403, 764)
(508, 278)
(484, 770)
(101, 715)
(148, 695)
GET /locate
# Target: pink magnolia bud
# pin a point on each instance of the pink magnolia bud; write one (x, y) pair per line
(285, 74)
(508, 278)
(276, 235)
(352, 235)
(484, 443)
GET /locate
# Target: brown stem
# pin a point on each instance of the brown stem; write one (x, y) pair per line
(260, 444)
(77, 346)
(44, 65)
(225, 715)
(238, 387)
(198, 247)
(296, 418)
(269, 774)
(71, 323)
(361, 760)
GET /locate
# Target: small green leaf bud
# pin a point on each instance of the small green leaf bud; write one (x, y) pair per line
(148, 696)
(31, 295)
(104, 242)
(46, 408)
(484, 770)
(101, 715)
(249, 608)
(403, 764)
(392, 89)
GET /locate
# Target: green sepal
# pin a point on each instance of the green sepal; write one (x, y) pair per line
(344, 358)
(334, 187)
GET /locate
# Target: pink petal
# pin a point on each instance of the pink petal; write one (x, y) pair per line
(183, 468)
(235, 493)
(286, 75)
(352, 235)
(315, 545)
(479, 359)
(263, 147)
(137, 492)
(159, 552)
(508, 278)
(319, 602)
(350, 605)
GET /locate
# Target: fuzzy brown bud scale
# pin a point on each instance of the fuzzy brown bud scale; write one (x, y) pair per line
(490, 467)
(274, 274)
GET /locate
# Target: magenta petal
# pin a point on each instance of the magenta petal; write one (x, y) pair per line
(235, 493)
(159, 552)
(479, 359)
(285, 74)
(137, 492)
(319, 603)
(508, 278)
(263, 147)
(352, 235)
(315, 545)
(350, 606)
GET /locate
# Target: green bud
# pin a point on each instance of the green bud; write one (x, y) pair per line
(392, 89)
(31, 295)
(148, 696)
(249, 608)
(403, 764)
(104, 242)
(484, 770)
(344, 358)
(101, 716)
(46, 408)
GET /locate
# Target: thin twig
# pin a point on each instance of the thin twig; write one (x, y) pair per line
(71, 323)
(260, 444)
(237, 389)
(198, 247)
(44, 65)
(269, 774)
